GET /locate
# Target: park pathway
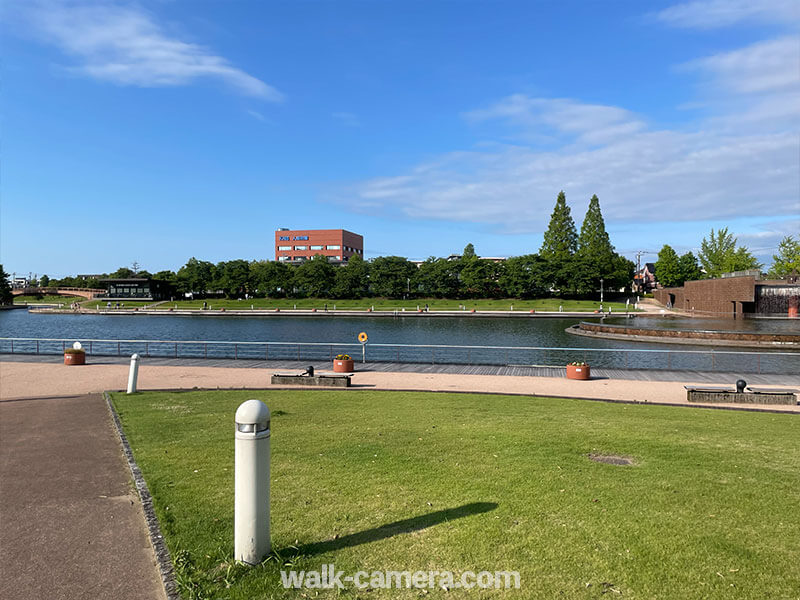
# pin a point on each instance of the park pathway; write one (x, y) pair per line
(72, 524)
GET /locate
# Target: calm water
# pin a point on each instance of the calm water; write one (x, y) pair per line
(456, 331)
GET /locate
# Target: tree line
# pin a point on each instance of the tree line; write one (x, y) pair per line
(569, 263)
(720, 253)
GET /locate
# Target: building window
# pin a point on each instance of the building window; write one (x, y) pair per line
(283, 238)
(284, 247)
(300, 237)
(334, 247)
(317, 247)
(300, 247)
(282, 258)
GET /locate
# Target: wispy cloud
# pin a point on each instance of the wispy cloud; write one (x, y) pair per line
(710, 14)
(126, 45)
(764, 67)
(347, 118)
(256, 115)
(537, 117)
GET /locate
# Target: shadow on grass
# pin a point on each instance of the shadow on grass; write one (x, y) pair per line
(396, 528)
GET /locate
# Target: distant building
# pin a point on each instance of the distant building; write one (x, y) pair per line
(645, 280)
(137, 288)
(299, 245)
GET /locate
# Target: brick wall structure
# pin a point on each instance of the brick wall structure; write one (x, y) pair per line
(732, 297)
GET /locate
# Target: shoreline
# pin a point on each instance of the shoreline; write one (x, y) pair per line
(333, 313)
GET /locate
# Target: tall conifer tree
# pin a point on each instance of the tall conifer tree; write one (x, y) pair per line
(593, 240)
(561, 238)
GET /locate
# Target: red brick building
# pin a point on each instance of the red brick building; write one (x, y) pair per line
(298, 245)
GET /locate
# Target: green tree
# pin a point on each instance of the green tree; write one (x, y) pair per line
(469, 252)
(390, 276)
(595, 257)
(352, 280)
(560, 239)
(438, 277)
(167, 275)
(122, 273)
(689, 269)
(480, 278)
(525, 277)
(6, 297)
(315, 277)
(593, 240)
(719, 254)
(559, 245)
(196, 276)
(271, 278)
(668, 269)
(787, 259)
(233, 278)
(44, 281)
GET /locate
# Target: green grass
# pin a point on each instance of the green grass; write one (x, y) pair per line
(93, 304)
(54, 299)
(709, 511)
(434, 304)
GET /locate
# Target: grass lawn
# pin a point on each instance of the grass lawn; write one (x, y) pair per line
(434, 304)
(104, 303)
(710, 510)
(48, 299)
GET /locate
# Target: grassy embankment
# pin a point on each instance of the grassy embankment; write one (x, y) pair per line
(415, 481)
(383, 304)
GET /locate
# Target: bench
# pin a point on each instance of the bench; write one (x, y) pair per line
(310, 380)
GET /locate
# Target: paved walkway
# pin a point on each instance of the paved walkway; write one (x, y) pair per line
(72, 525)
(51, 378)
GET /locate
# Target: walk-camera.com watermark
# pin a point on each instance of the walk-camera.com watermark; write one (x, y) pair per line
(329, 578)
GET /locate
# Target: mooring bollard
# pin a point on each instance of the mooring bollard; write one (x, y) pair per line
(133, 374)
(251, 498)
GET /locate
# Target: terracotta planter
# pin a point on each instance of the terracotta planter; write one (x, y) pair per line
(580, 373)
(75, 359)
(343, 366)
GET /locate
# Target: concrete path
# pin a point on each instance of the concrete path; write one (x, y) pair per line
(72, 525)
(18, 379)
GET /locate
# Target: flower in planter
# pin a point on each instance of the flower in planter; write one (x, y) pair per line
(74, 351)
(343, 357)
(578, 363)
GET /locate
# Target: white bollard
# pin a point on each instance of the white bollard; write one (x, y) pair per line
(133, 374)
(251, 542)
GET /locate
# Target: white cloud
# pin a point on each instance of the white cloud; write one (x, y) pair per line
(648, 177)
(709, 14)
(125, 45)
(764, 67)
(537, 117)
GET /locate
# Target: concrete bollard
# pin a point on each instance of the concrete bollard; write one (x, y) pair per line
(251, 496)
(133, 374)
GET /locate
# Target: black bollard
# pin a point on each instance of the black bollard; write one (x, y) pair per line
(740, 385)
(309, 371)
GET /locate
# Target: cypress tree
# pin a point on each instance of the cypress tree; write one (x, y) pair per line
(560, 239)
(593, 240)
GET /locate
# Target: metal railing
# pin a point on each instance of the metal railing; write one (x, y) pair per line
(521, 356)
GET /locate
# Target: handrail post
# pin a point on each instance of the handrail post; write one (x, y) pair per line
(236, 351)
(176, 349)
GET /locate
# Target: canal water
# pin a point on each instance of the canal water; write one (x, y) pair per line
(397, 334)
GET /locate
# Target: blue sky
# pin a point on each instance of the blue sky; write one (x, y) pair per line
(156, 131)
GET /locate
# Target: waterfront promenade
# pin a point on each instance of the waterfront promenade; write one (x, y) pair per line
(44, 376)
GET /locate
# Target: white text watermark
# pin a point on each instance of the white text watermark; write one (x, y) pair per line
(329, 578)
